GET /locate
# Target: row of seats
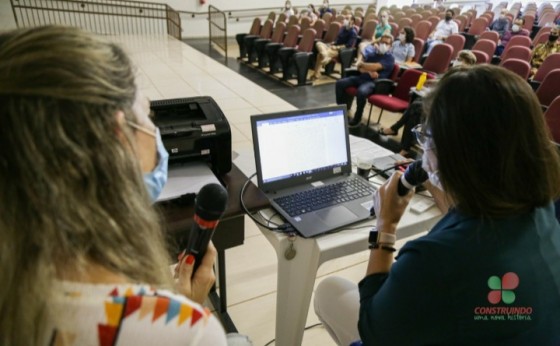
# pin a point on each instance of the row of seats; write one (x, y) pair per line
(482, 47)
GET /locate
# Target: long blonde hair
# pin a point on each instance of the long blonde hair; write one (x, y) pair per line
(71, 188)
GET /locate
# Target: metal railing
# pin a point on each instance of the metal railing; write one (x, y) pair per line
(217, 28)
(105, 17)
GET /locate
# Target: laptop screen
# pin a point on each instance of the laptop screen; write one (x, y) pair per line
(300, 146)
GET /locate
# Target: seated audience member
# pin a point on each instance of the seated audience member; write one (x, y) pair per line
(444, 28)
(325, 8)
(500, 25)
(326, 52)
(495, 254)
(413, 115)
(543, 50)
(403, 49)
(83, 255)
(288, 10)
(516, 29)
(378, 63)
(382, 28)
(311, 13)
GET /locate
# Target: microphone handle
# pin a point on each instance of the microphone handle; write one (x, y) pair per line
(198, 243)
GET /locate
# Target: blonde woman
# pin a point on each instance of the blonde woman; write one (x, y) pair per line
(81, 249)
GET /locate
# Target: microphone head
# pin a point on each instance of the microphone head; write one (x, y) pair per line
(210, 203)
(415, 175)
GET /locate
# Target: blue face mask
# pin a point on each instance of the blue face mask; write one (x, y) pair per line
(156, 179)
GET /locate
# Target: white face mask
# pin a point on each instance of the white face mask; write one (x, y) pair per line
(402, 37)
(346, 23)
(457, 63)
(515, 28)
(383, 48)
(430, 165)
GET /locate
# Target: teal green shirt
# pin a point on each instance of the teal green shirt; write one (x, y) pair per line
(380, 29)
(470, 282)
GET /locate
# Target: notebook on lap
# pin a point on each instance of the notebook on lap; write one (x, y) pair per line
(304, 168)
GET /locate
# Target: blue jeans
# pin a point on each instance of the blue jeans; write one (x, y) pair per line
(366, 87)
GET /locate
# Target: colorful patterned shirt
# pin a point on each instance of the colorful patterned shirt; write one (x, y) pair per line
(542, 51)
(100, 314)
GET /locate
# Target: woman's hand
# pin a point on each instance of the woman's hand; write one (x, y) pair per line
(389, 206)
(196, 287)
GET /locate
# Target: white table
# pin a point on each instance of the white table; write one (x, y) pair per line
(296, 277)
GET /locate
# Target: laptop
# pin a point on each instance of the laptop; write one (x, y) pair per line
(302, 158)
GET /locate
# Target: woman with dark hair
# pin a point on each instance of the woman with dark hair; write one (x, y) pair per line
(489, 271)
(403, 49)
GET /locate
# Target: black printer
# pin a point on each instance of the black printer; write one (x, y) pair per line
(194, 128)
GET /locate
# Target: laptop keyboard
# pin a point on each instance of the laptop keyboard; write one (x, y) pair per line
(325, 196)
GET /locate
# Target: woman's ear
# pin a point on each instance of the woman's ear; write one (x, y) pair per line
(121, 122)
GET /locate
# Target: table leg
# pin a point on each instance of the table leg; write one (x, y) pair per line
(220, 302)
(296, 278)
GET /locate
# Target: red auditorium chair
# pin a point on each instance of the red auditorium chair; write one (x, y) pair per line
(240, 38)
(296, 60)
(549, 88)
(271, 49)
(398, 100)
(249, 40)
(518, 66)
(439, 59)
(490, 35)
(477, 27)
(481, 57)
(456, 41)
(517, 52)
(260, 44)
(418, 48)
(552, 117)
(423, 29)
(486, 46)
(551, 62)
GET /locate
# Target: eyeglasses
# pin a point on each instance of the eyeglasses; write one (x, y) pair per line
(135, 126)
(422, 137)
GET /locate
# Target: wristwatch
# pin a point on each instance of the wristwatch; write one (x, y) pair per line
(384, 238)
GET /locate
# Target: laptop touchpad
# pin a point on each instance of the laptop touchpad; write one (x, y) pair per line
(336, 215)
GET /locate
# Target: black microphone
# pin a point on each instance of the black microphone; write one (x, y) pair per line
(413, 176)
(210, 204)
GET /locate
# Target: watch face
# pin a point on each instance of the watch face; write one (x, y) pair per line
(373, 236)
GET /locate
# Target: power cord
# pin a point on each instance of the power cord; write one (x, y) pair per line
(284, 228)
(379, 172)
(306, 328)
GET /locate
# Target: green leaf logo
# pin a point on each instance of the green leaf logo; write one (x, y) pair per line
(502, 289)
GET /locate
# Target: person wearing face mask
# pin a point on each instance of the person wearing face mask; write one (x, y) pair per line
(516, 30)
(383, 27)
(489, 271)
(500, 25)
(327, 51)
(311, 13)
(543, 50)
(325, 8)
(444, 28)
(403, 49)
(378, 63)
(83, 259)
(288, 10)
